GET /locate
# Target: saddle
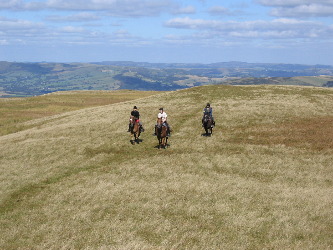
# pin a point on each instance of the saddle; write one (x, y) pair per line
(134, 119)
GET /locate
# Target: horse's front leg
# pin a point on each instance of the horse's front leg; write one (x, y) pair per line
(165, 142)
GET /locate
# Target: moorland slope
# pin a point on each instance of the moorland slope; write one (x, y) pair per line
(263, 180)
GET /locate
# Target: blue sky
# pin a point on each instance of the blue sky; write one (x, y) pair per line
(196, 31)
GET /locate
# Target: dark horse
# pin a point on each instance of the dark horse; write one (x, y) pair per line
(135, 131)
(207, 124)
(161, 132)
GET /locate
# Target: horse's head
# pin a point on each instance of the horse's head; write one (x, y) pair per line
(206, 118)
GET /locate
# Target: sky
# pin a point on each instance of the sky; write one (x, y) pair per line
(167, 31)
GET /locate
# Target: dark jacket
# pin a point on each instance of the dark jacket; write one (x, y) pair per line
(136, 114)
(208, 111)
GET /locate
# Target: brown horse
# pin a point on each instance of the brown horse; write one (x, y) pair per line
(135, 130)
(207, 124)
(161, 132)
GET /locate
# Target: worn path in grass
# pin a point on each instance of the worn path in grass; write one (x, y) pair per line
(263, 180)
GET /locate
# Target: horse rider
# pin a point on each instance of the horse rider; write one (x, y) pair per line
(208, 110)
(164, 118)
(136, 116)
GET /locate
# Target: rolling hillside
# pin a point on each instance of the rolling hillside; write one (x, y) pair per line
(31, 79)
(15, 112)
(262, 181)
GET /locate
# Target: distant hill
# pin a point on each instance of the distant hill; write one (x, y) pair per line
(29, 79)
(233, 64)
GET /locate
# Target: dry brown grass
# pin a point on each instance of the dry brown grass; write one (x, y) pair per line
(15, 111)
(74, 181)
(315, 133)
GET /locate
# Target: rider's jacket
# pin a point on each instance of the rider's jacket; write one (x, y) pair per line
(163, 116)
(136, 114)
(208, 111)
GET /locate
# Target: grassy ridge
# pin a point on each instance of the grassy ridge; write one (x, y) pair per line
(14, 112)
(73, 180)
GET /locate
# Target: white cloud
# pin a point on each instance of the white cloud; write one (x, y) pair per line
(219, 10)
(72, 29)
(19, 5)
(4, 42)
(127, 8)
(293, 2)
(80, 17)
(185, 10)
(188, 23)
(299, 8)
(11, 4)
(15, 31)
(11, 25)
(311, 10)
(260, 29)
(122, 34)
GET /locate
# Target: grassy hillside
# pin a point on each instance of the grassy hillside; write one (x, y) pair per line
(14, 112)
(263, 180)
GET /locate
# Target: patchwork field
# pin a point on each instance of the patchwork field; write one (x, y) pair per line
(263, 180)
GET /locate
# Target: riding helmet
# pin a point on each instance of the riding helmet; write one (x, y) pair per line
(135, 107)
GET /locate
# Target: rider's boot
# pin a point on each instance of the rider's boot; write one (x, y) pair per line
(142, 129)
(129, 128)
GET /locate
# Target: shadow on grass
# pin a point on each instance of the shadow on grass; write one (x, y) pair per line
(137, 141)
